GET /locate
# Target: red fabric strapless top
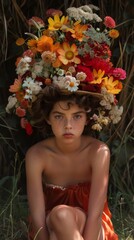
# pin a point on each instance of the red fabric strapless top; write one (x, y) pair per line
(77, 195)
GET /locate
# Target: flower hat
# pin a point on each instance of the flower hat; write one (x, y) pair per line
(74, 53)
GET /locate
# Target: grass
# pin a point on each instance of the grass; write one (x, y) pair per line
(14, 213)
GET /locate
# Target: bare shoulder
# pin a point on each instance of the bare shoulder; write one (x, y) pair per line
(98, 150)
(97, 145)
(38, 151)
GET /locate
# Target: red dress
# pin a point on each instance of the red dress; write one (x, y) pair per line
(77, 196)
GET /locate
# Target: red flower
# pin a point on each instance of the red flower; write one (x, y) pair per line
(24, 103)
(98, 63)
(20, 112)
(109, 22)
(87, 71)
(26, 125)
(28, 128)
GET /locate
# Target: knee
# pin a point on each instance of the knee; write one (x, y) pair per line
(60, 214)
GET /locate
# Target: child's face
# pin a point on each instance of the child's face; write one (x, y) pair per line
(67, 121)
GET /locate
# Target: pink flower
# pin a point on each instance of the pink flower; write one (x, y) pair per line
(36, 20)
(109, 22)
(28, 53)
(51, 12)
(20, 112)
(119, 73)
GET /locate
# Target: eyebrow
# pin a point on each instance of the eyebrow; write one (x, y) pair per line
(57, 112)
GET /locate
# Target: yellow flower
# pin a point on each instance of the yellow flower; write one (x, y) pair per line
(113, 33)
(112, 86)
(97, 76)
(68, 54)
(56, 23)
(78, 31)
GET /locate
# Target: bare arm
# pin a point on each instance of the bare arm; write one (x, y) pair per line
(98, 192)
(34, 168)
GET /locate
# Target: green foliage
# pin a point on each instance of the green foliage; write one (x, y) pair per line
(13, 207)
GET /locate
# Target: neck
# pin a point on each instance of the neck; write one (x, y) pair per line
(70, 147)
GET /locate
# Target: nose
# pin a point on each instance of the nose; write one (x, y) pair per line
(67, 124)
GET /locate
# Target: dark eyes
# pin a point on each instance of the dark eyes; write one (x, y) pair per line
(60, 117)
(77, 116)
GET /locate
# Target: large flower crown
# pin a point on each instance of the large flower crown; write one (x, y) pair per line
(72, 52)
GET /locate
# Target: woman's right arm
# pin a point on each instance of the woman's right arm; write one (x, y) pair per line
(34, 169)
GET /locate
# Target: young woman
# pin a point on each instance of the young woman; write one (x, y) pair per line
(67, 173)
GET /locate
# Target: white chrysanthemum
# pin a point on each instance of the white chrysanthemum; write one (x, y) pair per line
(48, 57)
(96, 18)
(81, 76)
(101, 119)
(97, 127)
(89, 8)
(72, 69)
(108, 99)
(12, 100)
(31, 87)
(83, 12)
(60, 81)
(60, 71)
(23, 65)
(71, 83)
(37, 69)
(73, 13)
(115, 114)
(46, 74)
(86, 15)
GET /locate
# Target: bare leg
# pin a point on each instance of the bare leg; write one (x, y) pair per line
(65, 223)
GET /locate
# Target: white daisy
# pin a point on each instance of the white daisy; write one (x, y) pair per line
(71, 84)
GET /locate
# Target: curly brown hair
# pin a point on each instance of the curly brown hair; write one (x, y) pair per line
(50, 95)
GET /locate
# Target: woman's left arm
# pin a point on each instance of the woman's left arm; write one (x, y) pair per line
(98, 192)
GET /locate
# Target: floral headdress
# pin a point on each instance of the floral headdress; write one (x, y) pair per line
(74, 53)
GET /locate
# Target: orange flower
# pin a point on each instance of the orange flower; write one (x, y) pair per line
(112, 86)
(45, 44)
(68, 54)
(32, 44)
(56, 23)
(16, 86)
(78, 31)
(17, 61)
(20, 96)
(113, 33)
(20, 41)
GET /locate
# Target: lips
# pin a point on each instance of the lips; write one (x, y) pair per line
(68, 135)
